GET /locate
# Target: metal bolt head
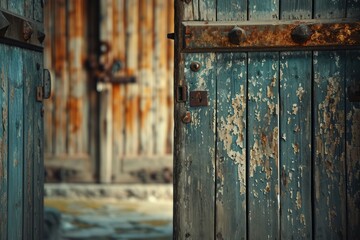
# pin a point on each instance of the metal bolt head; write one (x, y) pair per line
(187, 118)
(237, 35)
(301, 33)
(195, 66)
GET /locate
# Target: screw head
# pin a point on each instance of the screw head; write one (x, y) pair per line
(195, 66)
(237, 35)
(187, 118)
(301, 33)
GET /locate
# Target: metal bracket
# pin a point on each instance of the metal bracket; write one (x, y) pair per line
(44, 91)
(199, 99)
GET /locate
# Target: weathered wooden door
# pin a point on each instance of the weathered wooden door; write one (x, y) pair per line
(21, 129)
(267, 118)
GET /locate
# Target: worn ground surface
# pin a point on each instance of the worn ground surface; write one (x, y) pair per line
(113, 219)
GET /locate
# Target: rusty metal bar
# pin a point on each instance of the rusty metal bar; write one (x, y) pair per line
(21, 32)
(271, 36)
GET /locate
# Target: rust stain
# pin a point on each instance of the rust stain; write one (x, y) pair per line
(74, 107)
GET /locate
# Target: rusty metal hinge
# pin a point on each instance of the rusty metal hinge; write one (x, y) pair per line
(44, 91)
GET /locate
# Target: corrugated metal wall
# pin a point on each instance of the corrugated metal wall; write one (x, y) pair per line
(105, 131)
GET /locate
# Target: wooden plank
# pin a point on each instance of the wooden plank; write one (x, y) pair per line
(190, 11)
(207, 10)
(146, 77)
(105, 96)
(61, 80)
(329, 9)
(16, 141)
(353, 9)
(353, 145)
(76, 104)
(170, 81)
(28, 9)
(49, 49)
(263, 131)
(160, 92)
(16, 7)
(118, 101)
(296, 133)
(132, 91)
(232, 10)
(38, 180)
(295, 145)
(329, 146)
(30, 74)
(296, 9)
(4, 65)
(196, 180)
(38, 10)
(231, 145)
(3, 4)
(263, 10)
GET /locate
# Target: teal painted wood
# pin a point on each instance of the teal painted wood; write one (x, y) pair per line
(231, 146)
(263, 131)
(38, 181)
(329, 9)
(4, 64)
(16, 141)
(353, 146)
(295, 145)
(329, 146)
(232, 10)
(296, 9)
(16, 6)
(28, 9)
(197, 174)
(29, 103)
(38, 10)
(353, 9)
(207, 10)
(295, 132)
(263, 10)
(3, 4)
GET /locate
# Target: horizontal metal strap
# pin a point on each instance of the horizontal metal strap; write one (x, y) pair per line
(22, 32)
(271, 35)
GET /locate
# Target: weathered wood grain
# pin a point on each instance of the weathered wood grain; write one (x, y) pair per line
(16, 141)
(30, 75)
(4, 84)
(295, 133)
(197, 177)
(38, 10)
(263, 10)
(231, 146)
(329, 146)
(295, 145)
(105, 95)
(231, 10)
(118, 100)
(38, 138)
(160, 91)
(329, 9)
(61, 81)
(29, 9)
(3, 4)
(146, 77)
(352, 9)
(353, 145)
(263, 136)
(132, 91)
(16, 6)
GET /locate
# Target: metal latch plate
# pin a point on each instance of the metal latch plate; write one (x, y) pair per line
(199, 99)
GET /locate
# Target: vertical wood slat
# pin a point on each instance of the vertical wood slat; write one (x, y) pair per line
(118, 101)
(61, 80)
(30, 74)
(296, 132)
(146, 78)
(231, 146)
(353, 146)
(170, 81)
(4, 65)
(231, 143)
(263, 133)
(329, 159)
(38, 179)
(76, 102)
(16, 7)
(16, 141)
(295, 145)
(132, 91)
(38, 10)
(105, 96)
(160, 85)
(3, 4)
(29, 9)
(197, 180)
